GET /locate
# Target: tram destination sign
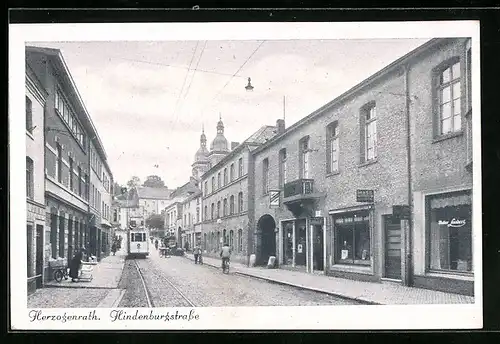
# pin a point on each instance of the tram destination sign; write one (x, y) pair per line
(364, 196)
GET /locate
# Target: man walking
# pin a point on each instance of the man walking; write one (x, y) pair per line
(197, 254)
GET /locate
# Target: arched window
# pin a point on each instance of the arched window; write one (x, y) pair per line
(218, 209)
(212, 206)
(204, 241)
(225, 176)
(240, 202)
(225, 207)
(231, 205)
(217, 244)
(240, 240)
(224, 236)
(231, 239)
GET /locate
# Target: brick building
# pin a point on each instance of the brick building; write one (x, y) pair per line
(399, 138)
(226, 198)
(35, 179)
(68, 135)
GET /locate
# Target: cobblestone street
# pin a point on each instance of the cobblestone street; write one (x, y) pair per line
(205, 286)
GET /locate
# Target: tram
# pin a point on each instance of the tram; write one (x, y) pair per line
(138, 241)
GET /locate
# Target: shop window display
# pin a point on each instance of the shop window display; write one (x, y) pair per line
(352, 239)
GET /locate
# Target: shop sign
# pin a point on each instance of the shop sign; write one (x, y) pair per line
(316, 221)
(299, 248)
(365, 196)
(274, 198)
(452, 223)
(402, 212)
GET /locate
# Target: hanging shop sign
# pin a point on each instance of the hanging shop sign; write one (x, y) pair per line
(365, 196)
(274, 198)
(402, 212)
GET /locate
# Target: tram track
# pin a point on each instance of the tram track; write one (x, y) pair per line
(150, 296)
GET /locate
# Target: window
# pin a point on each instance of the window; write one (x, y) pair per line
(369, 132)
(224, 207)
(213, 208)
(352, 233)
(332, 148)
(62, 221)
(240, 202)
(231, 172)
(197, 215)
(265, 176)
(205, 214)
(218, 209)
(53, 235)
(71, 181)
(69, 117)
(240, 167)
(282, 170)
(304, 157)
(213, 184)
(225, 176)
(449, 95)
(218, 180)
(468, 68)
(449, 227)
(29, 178)
(231, 239)
(80, 189)
(240, 240)
(59, 163)
(87, 187)
(231, 205)
(29, 115)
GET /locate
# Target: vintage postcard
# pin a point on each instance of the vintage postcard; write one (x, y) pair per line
(245, 176)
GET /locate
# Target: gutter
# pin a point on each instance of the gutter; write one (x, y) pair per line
(408, 234)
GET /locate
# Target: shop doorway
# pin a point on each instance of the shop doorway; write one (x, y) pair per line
(318, 245)
(266, 227)
(392, 247)
(300, 243)
(39, 255)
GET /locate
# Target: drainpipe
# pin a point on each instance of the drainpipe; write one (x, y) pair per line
(409, 227)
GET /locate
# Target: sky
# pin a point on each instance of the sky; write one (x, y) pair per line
(149, 100)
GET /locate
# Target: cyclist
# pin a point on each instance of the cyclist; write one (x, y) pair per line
(225, 254)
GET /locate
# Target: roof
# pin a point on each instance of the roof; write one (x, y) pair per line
(124, 203)
(60, 63)
(394, 66)
(264, 134)
(153, 193)
(185, 190)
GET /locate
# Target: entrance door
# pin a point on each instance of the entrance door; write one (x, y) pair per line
(318, 248)
(39, 255)
(70, 238)
(267, 226)
(300, 243)
(392, 247)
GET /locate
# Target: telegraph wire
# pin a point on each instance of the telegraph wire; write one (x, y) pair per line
(184, 83)
(195, 68)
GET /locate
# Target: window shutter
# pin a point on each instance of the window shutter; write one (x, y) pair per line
(362, 136)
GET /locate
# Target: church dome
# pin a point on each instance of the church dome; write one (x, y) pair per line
(219, 143)
(202, 153)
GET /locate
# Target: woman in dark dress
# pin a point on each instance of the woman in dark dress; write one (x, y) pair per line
(74, 266)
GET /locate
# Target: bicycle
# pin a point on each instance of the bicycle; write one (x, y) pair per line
(61, 273)
(225, 266)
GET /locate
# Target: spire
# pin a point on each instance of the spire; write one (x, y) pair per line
(220, 125)
(203, 138)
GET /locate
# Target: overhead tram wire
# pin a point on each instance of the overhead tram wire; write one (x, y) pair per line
(184, 83)
(192, 75)
(232, 76)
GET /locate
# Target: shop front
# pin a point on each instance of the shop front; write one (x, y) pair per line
(351, 243)
(448, 243)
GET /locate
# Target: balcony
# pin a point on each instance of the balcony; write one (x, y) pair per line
(298, 187)
(300, 196)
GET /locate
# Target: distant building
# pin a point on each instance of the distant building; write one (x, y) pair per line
(151, 200)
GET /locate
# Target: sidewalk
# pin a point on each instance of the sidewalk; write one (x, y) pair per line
(101, 292)
(364, 292)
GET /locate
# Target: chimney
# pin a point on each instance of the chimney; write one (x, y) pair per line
(280, 125)
(234, 145)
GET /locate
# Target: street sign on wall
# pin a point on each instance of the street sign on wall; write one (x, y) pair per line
(316, 221)
(364, 196)
(402, 212)
(274, 198)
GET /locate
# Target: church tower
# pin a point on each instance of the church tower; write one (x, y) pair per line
(201, 162)
(219, 147)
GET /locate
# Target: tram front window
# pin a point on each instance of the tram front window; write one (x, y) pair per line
(137, 237)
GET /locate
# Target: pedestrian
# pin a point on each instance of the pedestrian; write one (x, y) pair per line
(75, 265)
(186, 246)
(197, 254)
(156, 244)
(225, 254)
(113, 248)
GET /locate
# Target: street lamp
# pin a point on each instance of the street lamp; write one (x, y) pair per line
(249, 86)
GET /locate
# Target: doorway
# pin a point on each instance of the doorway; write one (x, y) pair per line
(267, 226)
(392, 247)
(39, 255)
(300, 243)
(318, 246)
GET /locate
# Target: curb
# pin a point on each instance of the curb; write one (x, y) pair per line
(78, 287)
(270, 280)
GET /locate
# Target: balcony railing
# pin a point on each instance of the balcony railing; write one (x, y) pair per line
(298, 187)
